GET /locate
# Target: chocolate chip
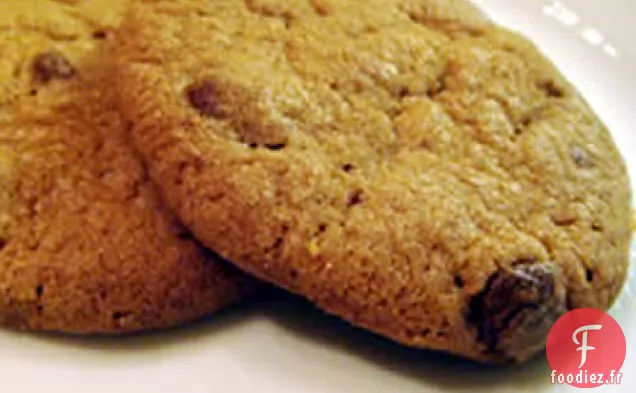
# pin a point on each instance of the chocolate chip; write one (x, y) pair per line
(589, 275)
(404, 92)
(356, 198)
(204, 97)
(119, 317)
(516, 309)
(275, 146)
(348, 167)
(550, 89)
(100, 34)
(52, 65)
(581, 158)
(256, 130)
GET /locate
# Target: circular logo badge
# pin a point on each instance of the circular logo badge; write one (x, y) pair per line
(586, 348)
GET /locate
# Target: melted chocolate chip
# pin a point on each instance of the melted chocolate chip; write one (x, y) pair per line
(517, 308)
(52, 65)
(204, 97)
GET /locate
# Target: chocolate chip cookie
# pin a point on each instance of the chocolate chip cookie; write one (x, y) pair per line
(407, 165)
(86, 244)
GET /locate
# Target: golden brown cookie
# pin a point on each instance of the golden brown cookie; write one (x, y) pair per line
(86, 245)
(404, 164)
(32, 28)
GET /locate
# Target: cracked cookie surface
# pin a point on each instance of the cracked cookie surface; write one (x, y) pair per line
(86, 244)
(403, 164)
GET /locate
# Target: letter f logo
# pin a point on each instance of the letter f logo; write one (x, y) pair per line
(583, 344)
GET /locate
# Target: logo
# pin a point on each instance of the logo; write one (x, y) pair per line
(586, 348)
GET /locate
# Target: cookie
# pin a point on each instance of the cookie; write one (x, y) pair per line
(86, 244)
(31, 28)
(406, 165)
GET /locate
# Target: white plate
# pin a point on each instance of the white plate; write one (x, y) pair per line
(283, 346)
